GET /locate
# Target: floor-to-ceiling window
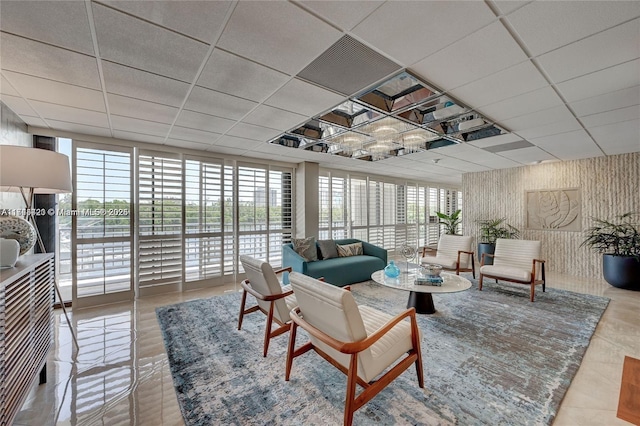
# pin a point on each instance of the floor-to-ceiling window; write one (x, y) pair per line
(384, 211)
(154, 221)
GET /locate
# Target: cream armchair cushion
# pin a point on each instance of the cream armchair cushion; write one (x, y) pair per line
(516, 261)
(352, 335)
(449, 247)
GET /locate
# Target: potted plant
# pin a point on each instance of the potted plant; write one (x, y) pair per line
(619, 243)
(450, 222)
(490, 231)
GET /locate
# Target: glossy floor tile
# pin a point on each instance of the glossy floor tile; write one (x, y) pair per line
(120, 375)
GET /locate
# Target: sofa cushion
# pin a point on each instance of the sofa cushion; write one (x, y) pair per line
(328, 249)
(506, 272)
(306, 247)
(345, 270)
(347, 250)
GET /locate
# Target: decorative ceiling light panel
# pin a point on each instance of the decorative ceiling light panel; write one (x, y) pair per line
(401, 116)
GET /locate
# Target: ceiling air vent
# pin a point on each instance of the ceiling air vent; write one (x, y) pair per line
(348, 67)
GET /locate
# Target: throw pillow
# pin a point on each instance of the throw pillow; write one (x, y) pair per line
(347, 250)
(328, 249)
(306, 247)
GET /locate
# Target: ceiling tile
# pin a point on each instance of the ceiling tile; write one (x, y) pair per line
(6, 88)
(218, 104)
(507, 6)
(569, 146)
(551, 129)
(601, 82)
(611, 117)
(519, 79)
(33, 19)
(226, 150)
(70, 115)
(539, 118)
(48, 62)
(137, 137)
(304, 98)
(35, 121)
(235, 142)
(142, 85)
(607, 102)
(55, 92)
(478, 55)
(259, 30)
(79, 128)
(250, 131)
(345, 15)
(193, 135)
(187, 144)
(274, 118)
(135, 108)
(523, 104)
(618, 138)
(527, 155)
(593, 53)
(139, 126)
(198, 19)
(410, 31)
(209, 123)
(125, 40)
(496, 140)
(18, 105)
(228, 73)
(543, 25)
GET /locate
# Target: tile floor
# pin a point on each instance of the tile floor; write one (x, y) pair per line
(120, 376)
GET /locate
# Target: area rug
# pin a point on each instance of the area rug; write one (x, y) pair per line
(490, 357)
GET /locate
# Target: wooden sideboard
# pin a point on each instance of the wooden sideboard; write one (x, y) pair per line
(26, 325)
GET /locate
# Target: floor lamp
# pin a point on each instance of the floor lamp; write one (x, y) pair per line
(31, 171)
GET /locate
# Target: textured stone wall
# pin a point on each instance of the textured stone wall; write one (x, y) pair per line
(608, 186)
(13, 131)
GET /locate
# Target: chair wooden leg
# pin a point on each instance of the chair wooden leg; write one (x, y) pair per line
(242, 303)
(480, 282)
(349, 407)
(415, 338)
(473, 268)
(533, 290)
(290, 349)
(267, 331)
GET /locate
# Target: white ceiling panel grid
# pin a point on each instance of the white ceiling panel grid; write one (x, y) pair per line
(221, 75)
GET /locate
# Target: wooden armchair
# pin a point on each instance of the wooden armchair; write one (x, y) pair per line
(515, 261)
(360, 341)
(274, 300)
(454, 253)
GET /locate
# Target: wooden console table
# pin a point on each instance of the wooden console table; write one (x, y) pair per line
(26, 325)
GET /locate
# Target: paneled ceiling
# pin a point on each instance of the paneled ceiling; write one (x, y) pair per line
(562, 76)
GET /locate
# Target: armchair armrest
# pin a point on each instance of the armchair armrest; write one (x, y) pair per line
(267, 298)
(371, 250)
(483, 255)
(429, 249)
(533, 268)
(281, 270)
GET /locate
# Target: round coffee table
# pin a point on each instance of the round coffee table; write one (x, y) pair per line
(420, 295)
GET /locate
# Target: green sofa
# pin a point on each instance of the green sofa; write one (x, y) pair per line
(339, 271)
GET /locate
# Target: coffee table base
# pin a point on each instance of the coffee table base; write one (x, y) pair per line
(423, 302)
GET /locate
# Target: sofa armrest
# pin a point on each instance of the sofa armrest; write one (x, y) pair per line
(371, 250)
(292, 259)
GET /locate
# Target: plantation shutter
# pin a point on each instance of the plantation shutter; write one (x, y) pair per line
(324, 207)
(358, 208)
(102, 226)
(160, 201)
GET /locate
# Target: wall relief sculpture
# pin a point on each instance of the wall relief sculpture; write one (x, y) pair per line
(554, 209)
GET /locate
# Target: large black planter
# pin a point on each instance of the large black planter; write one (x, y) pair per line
(486, 248)
(621, 271)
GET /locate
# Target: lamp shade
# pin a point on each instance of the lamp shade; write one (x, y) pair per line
(47, 172)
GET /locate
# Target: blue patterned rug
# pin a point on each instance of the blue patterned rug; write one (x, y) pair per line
(490, 358)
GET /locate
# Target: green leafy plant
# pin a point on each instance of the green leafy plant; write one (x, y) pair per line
(619, 238)
(450, 222)
(492, 229)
